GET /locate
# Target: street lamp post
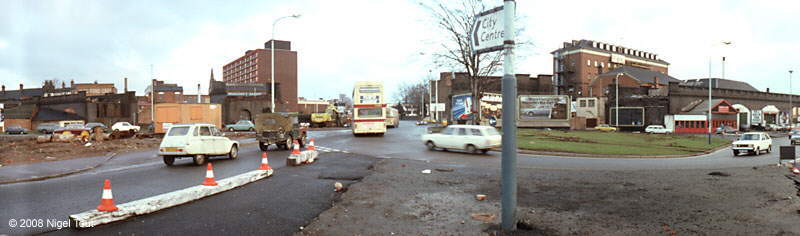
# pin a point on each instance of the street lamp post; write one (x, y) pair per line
(791, 106)
(616, 115)
(708, 117)
(272, 61)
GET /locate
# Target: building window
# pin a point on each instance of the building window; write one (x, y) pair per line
(595, 63)
(601, 64)
(583, 103)
(588, 62)
(591, 103)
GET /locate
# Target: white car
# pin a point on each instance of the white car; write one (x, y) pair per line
(752, 142)
(125, 126)
(197, 141)
(657, 129)
(467, 137)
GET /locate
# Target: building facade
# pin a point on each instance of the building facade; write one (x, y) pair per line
(578, 63)
(255, 68)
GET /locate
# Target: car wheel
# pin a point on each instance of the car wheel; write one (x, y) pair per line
(169, 160)
(116, 130)
(289, 144)
(484, 151)
(263, 146)
(757, 151)
(431, 146)
(199, 159)
(471, 148)
(234, 153)
(769, 149)
(735, 153)
(251, 129)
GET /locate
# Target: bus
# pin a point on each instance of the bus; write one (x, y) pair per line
(392, 117)
(369, 115)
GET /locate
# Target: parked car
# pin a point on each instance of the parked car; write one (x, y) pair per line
(422, 122)
(47, 128)
(125, 126)
(725, 130)
(794, 137)
(752, 142)
(657, 129)
(605, 128)
(242, 125)
(472, 138)
(75, 129)
(196, 141)
(92, 125)
(16, 129)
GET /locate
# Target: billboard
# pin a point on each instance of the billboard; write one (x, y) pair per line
(544, 107)
(461, 106)
(756, 117)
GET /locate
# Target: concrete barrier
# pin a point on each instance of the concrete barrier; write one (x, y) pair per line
(156, 203)
(305, 157)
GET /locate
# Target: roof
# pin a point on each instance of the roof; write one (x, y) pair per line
(642, 75)
(720, 83)
(47, 114)
(700, 107)
(16, 94)
(590, 44)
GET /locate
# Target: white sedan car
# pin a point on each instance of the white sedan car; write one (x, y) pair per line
(197, 141)
(471, 138)
(753, 142)
(125, 126)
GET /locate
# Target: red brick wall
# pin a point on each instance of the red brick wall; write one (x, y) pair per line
(25, 123)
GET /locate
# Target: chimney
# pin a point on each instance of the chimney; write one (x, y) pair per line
(63, 84)
(72, 83)
(126, 84)
(20, 87)
(768, 90)
(198, 94)
(4, 89)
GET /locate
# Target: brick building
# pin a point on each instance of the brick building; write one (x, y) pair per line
(578, 63)
(164, 92)
(254, 68)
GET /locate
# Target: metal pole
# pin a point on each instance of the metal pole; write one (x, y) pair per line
(198, 94)
(616, 115)
(791, 106)
(152, 98)
(430, 95)
(436, 114)
(509, 90)
(708, 117)
(272, 61)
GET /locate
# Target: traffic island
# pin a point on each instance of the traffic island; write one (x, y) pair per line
(615, 144)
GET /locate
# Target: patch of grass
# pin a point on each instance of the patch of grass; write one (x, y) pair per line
(614, 143)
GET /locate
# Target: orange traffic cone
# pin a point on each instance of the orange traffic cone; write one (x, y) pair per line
(264, 162)
(209, 177)
(311, 145)
(296, 150)
(107, 200)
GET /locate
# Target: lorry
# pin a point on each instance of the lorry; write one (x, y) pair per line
(168, 114)
(279, 128)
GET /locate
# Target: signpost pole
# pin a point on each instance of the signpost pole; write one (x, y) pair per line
(509, 90)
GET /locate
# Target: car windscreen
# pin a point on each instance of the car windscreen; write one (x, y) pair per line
(750, 137)
(178, 131)
(796, 132)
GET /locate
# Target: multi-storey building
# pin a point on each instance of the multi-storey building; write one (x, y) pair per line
(255, 68)
(579, 62)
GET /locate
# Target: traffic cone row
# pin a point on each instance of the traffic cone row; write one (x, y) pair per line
(311, 145)
(107, 198)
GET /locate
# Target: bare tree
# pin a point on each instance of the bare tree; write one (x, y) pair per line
(413, 93)
(455, 22)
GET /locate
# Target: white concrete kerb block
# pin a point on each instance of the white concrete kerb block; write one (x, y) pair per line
(152, 204)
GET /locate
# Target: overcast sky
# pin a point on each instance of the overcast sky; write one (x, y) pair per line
(340, 42)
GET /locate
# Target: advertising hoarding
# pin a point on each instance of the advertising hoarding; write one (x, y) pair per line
(461, 106)
(544, 107)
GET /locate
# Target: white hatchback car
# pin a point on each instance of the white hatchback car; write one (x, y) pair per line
(197, 141)
(467, 137)
(125, 126)
(753, 142)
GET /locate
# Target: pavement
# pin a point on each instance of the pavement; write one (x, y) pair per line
(51, 169)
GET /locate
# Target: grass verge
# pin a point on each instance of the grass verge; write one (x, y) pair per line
(614, 143)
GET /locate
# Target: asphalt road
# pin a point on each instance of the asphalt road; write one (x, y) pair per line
(404, 143)
(283, 202)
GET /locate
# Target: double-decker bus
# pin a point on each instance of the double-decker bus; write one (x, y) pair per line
(392, 117)
(369, 116)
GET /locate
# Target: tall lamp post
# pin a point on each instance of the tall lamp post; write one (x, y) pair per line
(791, 106)
(709, 89)
(616, 115)
(272, 61)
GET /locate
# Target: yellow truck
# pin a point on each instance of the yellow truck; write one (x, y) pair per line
(327, 119)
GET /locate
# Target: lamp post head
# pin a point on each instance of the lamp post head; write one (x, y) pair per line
(727, 42)
(296, 15)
